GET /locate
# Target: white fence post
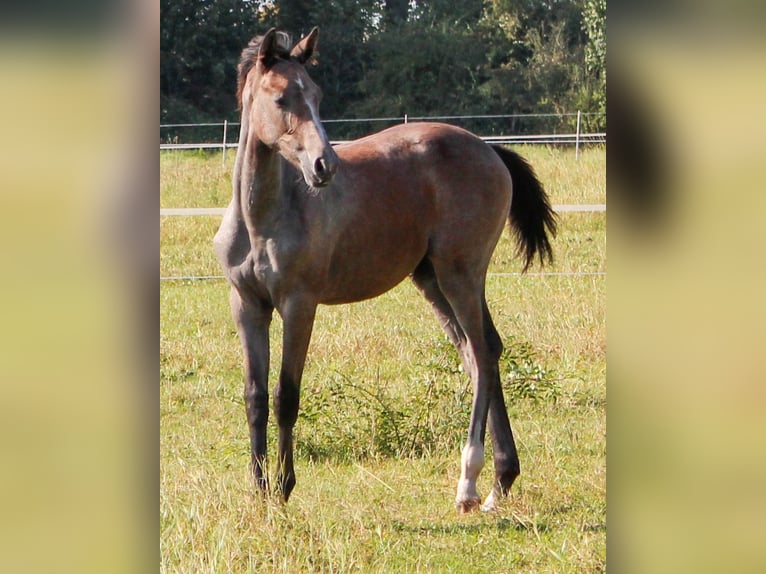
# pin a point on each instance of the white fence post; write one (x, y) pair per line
(577, 137)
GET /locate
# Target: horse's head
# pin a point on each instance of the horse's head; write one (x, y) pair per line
(281, 104)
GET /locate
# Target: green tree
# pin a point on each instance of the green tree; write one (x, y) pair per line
(391, 57)
(200, 44)
(541, 68)
(395, 12)
(294, 16)
(429, 64)
(594, 24)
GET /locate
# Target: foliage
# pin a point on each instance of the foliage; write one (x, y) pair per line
(345, 420)
(444, 62)
(379, 58)
(594, 24)
(200, 43)
(524, 377)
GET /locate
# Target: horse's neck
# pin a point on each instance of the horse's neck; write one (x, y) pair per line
(257, 185)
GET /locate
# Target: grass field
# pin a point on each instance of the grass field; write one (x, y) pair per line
(384, 411)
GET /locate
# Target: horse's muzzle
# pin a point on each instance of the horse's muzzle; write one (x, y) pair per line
(324, 169)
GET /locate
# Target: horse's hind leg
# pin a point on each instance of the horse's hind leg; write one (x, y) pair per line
(425, 279)
(459, 305)
(506, 458)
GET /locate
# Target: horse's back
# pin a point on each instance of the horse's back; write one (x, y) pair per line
(457, 184)
(429, 154)
(419, 138)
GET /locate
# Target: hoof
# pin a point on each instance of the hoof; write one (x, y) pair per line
(488, 507)
(490, 504)
(466, 506)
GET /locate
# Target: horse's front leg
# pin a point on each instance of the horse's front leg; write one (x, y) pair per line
(298, 318)
(252, 319)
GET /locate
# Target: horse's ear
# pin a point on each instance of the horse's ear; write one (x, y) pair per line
(267, 53)
(304, 49)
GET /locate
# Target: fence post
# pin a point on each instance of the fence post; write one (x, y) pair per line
(225, 126)
(577, 137)
(405, 118)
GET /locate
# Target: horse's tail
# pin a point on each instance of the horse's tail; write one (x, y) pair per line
(532, 218)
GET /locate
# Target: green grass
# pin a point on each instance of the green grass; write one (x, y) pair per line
(201, 179)
(371, 498)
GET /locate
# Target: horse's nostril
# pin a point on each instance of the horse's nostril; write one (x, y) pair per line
(320, 167)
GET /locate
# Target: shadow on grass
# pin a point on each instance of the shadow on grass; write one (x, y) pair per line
(500, 525)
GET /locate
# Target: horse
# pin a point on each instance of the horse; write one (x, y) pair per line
(311, 224)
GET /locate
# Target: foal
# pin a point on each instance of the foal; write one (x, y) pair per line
(310, 224)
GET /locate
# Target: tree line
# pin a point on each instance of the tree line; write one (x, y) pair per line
(381, 58)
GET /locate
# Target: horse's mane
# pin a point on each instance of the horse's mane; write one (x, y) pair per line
(282, 45)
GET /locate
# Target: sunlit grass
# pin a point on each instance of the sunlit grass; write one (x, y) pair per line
(202, 179)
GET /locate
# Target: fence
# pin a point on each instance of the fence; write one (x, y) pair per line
(496, 128)
(520, 126)
(197, 211)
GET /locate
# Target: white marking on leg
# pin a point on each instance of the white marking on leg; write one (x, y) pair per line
(491, 503)
(471, 463)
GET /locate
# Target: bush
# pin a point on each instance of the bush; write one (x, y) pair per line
(347, 420)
